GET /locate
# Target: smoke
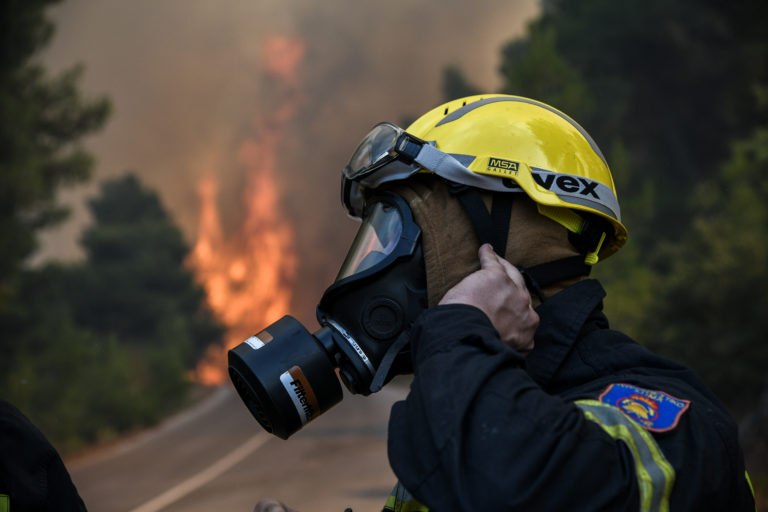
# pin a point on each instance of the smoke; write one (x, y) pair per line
(189, 83)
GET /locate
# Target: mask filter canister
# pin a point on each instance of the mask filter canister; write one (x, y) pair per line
(285, 376)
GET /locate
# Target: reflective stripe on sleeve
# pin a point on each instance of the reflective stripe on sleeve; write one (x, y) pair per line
(751, 488)
(655, 476)
(402, 501)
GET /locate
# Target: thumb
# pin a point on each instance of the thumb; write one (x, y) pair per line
(488, 258)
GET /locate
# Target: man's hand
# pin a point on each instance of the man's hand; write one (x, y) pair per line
(498, 290)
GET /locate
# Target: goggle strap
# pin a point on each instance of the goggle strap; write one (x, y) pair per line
(408, 147)
(450, 168)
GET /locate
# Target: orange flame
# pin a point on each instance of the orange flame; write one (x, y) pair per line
(248, 277)
(282, 56)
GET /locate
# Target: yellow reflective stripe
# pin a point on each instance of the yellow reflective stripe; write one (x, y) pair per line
(655, 475)
(5, 503)
(751, 488)
(402, 501)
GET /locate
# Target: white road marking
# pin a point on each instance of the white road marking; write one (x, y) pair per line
(180, 490)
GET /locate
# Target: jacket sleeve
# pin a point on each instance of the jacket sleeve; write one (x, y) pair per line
(32, 473)
(476, 433)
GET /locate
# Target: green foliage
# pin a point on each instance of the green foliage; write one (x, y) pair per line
(534, 67)
(98, 347)
(135, 284)
(102, 346)
(75, 386)
(671, 82)
(78, 385)
(42, 119)
(716, 281)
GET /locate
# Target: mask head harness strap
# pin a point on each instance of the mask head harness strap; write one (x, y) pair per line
(493, 227)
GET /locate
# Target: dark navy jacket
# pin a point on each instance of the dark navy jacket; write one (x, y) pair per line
(485, 429)
(32, 475)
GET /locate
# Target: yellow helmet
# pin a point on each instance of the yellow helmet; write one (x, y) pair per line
(531, 146)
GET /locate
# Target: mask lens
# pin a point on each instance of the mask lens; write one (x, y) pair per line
(376, 239)
(375, 147)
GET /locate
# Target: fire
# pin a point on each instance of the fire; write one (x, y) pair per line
(281, 56)
(248, 276)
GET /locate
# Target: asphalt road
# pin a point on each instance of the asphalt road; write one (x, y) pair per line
(215, 457)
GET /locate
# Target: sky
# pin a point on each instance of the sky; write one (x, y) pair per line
(189, 84)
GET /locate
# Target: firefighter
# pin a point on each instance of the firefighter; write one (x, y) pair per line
(523, 398)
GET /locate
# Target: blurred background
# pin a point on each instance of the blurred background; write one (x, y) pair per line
(169, 178)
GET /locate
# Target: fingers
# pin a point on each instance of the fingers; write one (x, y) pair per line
(498, 290)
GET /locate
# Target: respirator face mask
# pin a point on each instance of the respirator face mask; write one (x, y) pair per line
(287, 376)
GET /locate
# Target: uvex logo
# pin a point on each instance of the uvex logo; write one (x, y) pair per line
(566, 183)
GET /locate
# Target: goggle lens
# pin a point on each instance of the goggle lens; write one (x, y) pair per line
(377, 146)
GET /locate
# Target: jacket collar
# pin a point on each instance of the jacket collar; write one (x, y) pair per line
(562, 319)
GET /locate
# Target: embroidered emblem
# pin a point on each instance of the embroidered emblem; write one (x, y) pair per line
(653, 410)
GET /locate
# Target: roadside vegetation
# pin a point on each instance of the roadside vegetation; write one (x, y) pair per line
(101, 346)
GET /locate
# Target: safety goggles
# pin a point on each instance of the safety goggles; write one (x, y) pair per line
(389, 153)
(387, 232)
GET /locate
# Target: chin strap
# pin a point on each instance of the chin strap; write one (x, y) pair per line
(541, 276)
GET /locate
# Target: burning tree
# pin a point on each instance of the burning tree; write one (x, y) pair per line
(248, 274)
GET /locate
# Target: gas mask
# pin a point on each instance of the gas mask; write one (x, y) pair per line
(287, 376)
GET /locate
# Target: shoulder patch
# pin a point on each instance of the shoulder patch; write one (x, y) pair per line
(656, 411)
